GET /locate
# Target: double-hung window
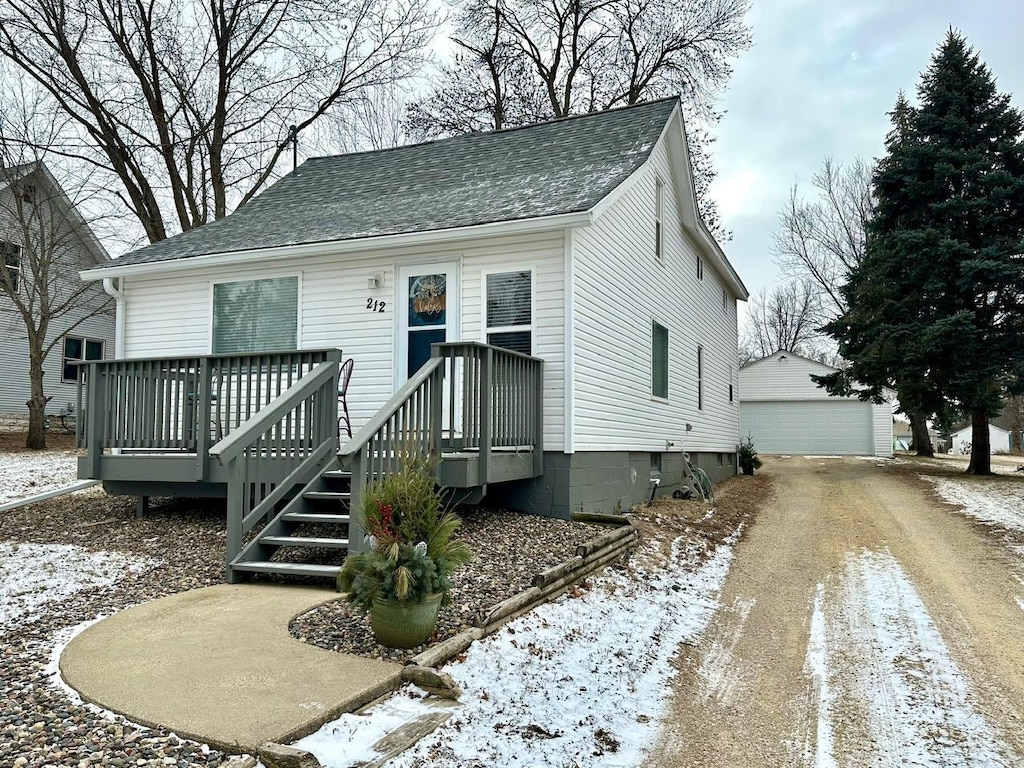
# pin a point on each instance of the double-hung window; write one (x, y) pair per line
(12, 263)
(256, 315)
(510, 310)
(659, 360)
(78, 350)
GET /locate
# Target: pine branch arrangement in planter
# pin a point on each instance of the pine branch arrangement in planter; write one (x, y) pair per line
(405, 575)
(747, 455)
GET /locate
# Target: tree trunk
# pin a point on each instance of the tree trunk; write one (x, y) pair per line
(36, 404)
(981, 456)
(919, 430)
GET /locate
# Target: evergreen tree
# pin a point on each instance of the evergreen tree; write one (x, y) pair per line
(937, 307)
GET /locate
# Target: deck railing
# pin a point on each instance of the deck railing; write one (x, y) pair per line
(297, 431)
(181, 404)
(468, 397)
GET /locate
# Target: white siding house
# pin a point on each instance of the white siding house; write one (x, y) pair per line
(77, 330)
(576, 241)
(785, 412)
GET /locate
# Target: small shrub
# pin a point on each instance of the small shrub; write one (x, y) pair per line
(747, 455)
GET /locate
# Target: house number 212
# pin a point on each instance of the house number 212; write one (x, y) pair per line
(375, 305)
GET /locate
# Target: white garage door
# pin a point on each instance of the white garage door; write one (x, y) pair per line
(822, 428)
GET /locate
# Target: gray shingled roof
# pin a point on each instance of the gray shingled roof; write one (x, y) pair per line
(563, 166)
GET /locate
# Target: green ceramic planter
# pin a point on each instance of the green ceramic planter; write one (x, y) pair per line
(404, 625)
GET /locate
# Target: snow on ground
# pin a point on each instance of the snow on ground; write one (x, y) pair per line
(584, 678)
(34, 575)
(989, 500)
(874, 649)
(29, 473)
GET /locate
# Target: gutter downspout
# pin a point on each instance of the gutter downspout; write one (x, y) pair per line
(108, 287)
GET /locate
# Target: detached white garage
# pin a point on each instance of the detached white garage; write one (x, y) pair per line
(786, 412)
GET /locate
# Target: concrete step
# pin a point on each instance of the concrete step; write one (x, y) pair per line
(316, 517)
(289, 569)
(304, 541)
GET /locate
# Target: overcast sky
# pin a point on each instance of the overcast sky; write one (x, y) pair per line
(818, 81)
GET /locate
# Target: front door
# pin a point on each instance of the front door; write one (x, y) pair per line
(428, 301)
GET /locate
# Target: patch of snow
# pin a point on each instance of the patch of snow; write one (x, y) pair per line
(719, 675)
(884, 649)
(584, 675)
(35, 575)
(816, 667)
(992, 501)
(26, 474)
(823, 457)
(1020, 601)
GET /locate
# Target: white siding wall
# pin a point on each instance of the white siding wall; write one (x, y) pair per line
(170, 314)
(881, 420)
(782, 376)
(619, 289)
(14, 365)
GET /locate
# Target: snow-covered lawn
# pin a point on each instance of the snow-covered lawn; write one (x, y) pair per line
(586, 677)
(29, 473)
(34, 575)
(874, 649)
(989, 500)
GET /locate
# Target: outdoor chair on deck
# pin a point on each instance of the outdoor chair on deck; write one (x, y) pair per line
(344, 376)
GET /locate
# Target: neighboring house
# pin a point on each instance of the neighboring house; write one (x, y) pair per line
(998, 439)
(83, 334)
(903, 437)
(576, 243)
(787, 413)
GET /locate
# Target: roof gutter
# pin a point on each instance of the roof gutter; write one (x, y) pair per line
(338, 247)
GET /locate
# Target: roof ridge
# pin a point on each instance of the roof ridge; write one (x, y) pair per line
(501, 131)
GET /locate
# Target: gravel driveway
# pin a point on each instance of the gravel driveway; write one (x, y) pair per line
(864, 623)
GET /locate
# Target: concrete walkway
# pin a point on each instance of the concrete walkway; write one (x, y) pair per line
(218, 665)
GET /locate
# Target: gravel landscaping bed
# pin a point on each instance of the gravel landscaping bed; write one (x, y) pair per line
(110, 560)
(509, 549)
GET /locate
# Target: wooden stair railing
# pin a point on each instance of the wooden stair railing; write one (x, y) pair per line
(298, 429)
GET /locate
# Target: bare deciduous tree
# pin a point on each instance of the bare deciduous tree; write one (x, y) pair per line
(784, 319)
(46, 242)
(823, 239)
(189, 104)
(520, 61)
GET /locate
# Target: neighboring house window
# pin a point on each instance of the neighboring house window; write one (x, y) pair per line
(12, 263)
(659, 360)
(510, 310)
(725, 300)
(256, 315)
(659, 232)
(77, 350)
(700, 268)
(730, 383)
(700, 378)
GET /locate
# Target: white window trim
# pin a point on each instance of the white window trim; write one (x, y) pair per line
(485, 330)
(249, 277)
(85, 340)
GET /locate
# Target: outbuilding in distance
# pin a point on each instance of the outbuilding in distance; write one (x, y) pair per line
(787, 413)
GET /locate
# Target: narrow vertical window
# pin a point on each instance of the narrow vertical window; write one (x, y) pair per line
(510, 311)
(659, 360)
(725, 299)
(700, 268)
(700, 378)
(12, 264)
(659, 211)
(730, 384)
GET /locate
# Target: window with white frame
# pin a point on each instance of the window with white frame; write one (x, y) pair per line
(78, 350)
(659, 212)
(510, 310)
(659, 360)
(256, 315)
(12, 264)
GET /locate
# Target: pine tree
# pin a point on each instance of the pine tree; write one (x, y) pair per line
(937, 307)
